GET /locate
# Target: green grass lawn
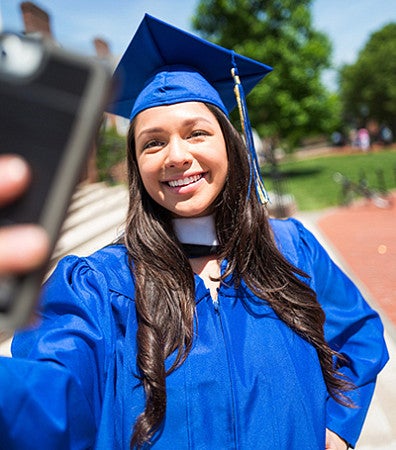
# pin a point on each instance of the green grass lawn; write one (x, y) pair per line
(311, 180)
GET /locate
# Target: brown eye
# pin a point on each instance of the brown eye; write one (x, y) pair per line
(198, 133)
(152, 144)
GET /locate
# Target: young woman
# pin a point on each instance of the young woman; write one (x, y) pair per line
(208, 325)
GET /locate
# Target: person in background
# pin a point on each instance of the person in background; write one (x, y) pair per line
(363, 139)
(386, 135)
(208, 324)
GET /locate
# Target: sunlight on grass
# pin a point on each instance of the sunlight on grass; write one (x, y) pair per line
(311, 180)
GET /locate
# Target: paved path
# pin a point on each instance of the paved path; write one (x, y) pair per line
(362, 240)
(366, 238)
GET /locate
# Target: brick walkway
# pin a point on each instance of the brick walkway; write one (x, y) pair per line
(365, 236)
(362, 240)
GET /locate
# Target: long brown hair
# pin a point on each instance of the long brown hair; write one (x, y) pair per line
(165, 300)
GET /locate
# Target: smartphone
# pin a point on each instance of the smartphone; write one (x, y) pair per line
(51, 107)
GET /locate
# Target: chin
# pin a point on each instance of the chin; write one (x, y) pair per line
(190, 208)
(191, 213)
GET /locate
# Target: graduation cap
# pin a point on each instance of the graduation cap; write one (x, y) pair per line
(164, 65)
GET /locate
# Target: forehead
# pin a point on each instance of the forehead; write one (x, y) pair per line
(187, 112)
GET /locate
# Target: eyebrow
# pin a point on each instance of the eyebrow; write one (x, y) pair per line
(185, 123)
(149, 131)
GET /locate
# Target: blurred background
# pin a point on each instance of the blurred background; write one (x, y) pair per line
(332, 91)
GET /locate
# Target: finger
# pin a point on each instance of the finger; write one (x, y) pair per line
(22, 248)
(14, 177)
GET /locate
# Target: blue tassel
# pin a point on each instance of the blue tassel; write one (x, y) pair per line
(255, 175)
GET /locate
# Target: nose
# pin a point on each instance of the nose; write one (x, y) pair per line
(178, 153)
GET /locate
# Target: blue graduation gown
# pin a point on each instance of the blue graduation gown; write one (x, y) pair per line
(249, 381)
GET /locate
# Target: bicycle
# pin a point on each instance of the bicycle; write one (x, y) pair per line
(351, 190)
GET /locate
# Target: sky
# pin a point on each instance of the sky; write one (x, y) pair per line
(75, 23)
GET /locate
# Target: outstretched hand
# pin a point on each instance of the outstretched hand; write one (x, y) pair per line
(22, 247)
(334, 442)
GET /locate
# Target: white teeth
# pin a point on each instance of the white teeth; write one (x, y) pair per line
(184, 181)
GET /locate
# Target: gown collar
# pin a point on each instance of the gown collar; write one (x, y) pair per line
(197, 235)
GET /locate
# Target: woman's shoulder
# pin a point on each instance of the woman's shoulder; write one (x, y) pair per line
(287, 234)
(107, 268)
(113, 255)
(290, 226)
(296, 242)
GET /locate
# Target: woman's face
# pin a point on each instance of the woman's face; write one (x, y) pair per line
(182, 157)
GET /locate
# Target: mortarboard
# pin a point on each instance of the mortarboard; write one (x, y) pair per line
(164, 65)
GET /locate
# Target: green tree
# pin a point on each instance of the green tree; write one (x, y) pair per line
(368, 87)
(291, 103)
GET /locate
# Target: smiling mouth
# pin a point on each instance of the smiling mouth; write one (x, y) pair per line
(185, 181)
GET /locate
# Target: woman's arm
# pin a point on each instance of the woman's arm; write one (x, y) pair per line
(52, 387)
(352, 328)
(42, 406)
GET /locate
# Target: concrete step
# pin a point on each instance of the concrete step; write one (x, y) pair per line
(95, 218)
(95, 203)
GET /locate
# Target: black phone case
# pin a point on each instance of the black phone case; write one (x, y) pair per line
(50, 118)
